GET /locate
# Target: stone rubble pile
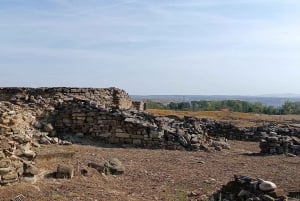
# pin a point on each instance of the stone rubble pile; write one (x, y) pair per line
(19, 141)
(277, 144)
(244, 188)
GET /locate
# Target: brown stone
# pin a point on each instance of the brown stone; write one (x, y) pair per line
(10, 175)
(5, 163)
(65, 171)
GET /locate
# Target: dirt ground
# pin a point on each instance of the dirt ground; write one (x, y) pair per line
(151, 174)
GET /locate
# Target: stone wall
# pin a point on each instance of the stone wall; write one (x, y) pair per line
(80, 118)
(139, 105)
(106, 97)
(233, 132)
(277, 144)
(107, 115)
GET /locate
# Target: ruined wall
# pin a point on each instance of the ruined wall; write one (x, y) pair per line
(105, 115)
(106, 97)
(80, 118)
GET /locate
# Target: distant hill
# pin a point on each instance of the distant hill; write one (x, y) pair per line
(269, 99)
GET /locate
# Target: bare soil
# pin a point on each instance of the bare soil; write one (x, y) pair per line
(151, 174)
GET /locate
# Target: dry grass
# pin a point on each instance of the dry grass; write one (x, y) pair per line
(237, 118)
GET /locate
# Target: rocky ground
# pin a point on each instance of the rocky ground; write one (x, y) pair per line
(151, 174)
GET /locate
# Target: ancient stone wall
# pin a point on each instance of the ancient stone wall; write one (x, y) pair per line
(233, 132)
(80, 118)
(106, 97)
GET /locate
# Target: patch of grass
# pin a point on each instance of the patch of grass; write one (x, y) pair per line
(179, 194)
(56, 196)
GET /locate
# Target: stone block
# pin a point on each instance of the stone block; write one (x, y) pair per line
(115, 140)
(12, 175)
(122, 135)
(137, 136)
(156, 134)
(5, 163)
(5, 170)
(136, 141)
(105, 135)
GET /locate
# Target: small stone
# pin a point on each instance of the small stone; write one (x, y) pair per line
(5, 170)
(12, 112)
(114, 166)
(44, 140)
(29, 153)
(267, 198)
(12, 175)
(30, 170)
(48, 127)
(65, 142)
(65, 171)
(5, 163)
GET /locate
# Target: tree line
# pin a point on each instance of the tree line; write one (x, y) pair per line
(288, 107)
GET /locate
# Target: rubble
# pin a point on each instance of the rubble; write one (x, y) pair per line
(112, 166)
(246, 188)
(31, 117)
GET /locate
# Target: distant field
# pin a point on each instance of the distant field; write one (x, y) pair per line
(237, 118)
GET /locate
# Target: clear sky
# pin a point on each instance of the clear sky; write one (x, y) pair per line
(228, 47)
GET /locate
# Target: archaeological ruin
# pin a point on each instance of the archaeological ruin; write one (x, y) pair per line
(33, 116)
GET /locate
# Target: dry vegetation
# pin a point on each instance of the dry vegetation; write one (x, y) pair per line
(237, 118)
(152, 174)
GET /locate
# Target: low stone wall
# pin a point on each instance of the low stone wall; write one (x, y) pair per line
(277, 144)
(233, 132)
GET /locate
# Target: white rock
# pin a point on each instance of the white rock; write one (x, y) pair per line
(267, 186)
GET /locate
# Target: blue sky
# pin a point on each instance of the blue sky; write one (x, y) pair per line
(231, 47)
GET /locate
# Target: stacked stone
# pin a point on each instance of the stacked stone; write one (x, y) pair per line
(51, 96)
(230, 131)
(16, 157)
(276, 144)
(128, 126)
(233, 132)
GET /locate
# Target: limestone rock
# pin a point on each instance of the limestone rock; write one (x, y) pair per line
(65, 172)
(98, 167)
(5, 163)
(12, 175)
(267, 186)
(114, 166)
